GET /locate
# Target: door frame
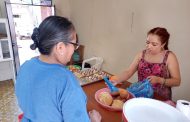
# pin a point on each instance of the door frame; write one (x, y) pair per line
(13, 33)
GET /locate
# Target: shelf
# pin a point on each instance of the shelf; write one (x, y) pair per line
(6, 53)
(3, 38)
(5, 50)
(8, 59)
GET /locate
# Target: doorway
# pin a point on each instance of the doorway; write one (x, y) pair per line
(25, 17)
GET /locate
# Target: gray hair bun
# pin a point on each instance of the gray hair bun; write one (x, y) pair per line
(35, 37)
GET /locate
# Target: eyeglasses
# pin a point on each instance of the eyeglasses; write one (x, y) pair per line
(76, 45)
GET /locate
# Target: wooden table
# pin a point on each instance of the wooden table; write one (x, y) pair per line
(107, 116)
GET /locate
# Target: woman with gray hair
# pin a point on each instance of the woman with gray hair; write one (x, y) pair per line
(46, 90)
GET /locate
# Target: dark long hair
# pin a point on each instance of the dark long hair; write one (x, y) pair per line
(163, 35)
(52, 30)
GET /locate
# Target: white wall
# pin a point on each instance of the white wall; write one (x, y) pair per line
(116, 30)
(62, 7)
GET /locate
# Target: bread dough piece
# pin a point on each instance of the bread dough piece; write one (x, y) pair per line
(117, 104)
(124, 94)
(105, 98)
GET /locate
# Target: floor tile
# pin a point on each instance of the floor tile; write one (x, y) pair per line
(9, 109)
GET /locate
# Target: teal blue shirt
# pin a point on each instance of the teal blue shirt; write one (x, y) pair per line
(49, 93)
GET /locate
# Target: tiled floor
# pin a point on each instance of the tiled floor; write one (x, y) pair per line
(9, 109)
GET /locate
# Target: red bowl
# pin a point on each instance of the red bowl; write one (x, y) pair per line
(107, 106)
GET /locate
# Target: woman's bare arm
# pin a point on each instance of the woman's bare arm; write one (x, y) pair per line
(173, 67)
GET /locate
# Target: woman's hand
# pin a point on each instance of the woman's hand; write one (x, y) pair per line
(114, 80)
(95, 116)
(155, 79)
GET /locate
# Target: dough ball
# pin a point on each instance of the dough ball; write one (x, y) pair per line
(105, 98)
(117, 104)
(124, 94)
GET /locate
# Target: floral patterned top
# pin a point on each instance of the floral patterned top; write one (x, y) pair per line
(146, 69)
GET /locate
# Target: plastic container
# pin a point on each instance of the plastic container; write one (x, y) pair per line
(151, 110)
(95, 62)
(76, 57)
(110, 108)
